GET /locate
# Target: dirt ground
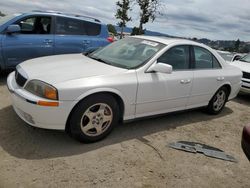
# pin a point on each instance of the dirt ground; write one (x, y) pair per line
(134, 155)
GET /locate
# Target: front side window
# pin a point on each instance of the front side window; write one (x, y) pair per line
(35, 25)
(128, 53)
(177, 57)
(204, 59)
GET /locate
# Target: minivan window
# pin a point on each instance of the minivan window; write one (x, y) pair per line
(35, 25)
(69, 26)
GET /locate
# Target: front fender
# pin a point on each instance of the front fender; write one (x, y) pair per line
(129, 109)
(101, 90)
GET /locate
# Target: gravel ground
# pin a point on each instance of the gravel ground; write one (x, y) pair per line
(134, 155)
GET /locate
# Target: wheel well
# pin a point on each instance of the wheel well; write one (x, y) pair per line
(228, 87)
(117, 98)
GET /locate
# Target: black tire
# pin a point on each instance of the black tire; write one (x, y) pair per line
(90, 105)
(214, 109)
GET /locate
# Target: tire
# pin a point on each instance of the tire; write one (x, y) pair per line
(218, 101)
(94, 118)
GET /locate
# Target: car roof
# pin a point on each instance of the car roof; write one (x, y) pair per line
(64, 14)
(167, 40)
(179, 41)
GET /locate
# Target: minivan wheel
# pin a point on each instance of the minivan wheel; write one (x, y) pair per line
(218, 101)
(94, 118)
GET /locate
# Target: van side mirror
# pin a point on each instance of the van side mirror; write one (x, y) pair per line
(13, 29)
(161, 67)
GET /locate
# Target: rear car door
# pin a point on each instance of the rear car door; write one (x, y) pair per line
(161, 92)
(75, 35)
(34, 40)
(207, 77)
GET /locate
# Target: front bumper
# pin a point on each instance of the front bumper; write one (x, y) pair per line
(25, 105)
(245, 88)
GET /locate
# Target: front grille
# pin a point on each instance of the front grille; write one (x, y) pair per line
(246, 75)
(20, 79)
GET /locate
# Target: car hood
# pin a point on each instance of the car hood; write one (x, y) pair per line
(60, 68)
(242, 65)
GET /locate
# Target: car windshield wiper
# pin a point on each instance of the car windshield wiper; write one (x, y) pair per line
(100, 60)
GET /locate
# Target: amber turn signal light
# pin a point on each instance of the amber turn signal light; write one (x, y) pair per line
(50, 93)
(46, 103)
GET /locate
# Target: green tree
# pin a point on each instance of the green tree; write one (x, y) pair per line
(237, 45)
(2, 14)
(148, 11)
(112, 29)
(136, 31)
(123, 6)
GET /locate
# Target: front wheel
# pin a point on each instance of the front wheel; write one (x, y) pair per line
(218, 101)
(94, 118)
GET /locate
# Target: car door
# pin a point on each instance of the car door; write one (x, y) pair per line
(161, 92)
(70, 36)
(207, 77)
(34, 40)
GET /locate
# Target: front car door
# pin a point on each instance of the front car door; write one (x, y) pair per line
(207, 77)
(160, 92)
(34, 40)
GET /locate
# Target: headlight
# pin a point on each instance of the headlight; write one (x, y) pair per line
(42, 89)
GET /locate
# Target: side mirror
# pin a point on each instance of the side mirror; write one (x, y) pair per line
(13, 29)
(236, 58)
(161, 67)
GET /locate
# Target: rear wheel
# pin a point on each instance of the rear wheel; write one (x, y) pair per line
(94, 118)
(218, 101)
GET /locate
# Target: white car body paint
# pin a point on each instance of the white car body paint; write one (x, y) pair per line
(143, 94)
(245, 67)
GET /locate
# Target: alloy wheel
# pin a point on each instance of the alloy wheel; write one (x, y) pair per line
(96, 119)
(219, 100)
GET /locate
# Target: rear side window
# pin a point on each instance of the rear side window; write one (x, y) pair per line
(92, 29)
(204, 59)
(177, 56)
(69, 26)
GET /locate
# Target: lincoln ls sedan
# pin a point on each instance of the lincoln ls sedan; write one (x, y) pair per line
(87, 95)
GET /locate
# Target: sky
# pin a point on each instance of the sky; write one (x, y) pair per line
(212, 19)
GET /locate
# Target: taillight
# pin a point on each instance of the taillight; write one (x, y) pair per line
(110, 39)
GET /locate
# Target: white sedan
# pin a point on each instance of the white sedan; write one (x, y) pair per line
(244, 64)
(131, 78)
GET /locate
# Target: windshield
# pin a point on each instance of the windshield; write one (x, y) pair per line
(5, 19)
(128, 53)
(246, 58)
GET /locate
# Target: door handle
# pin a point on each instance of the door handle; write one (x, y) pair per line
(86, 42)
(48, 41)
(220, 78)
(185, 81)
